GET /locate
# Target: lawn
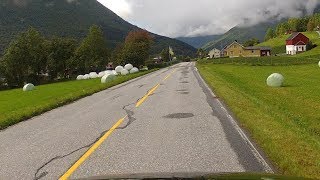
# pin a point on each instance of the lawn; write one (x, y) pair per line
(285, 122)
(16, 105)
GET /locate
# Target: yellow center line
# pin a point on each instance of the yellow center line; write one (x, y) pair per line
(75, 166)
(85, 156)
(147, 95)
(169, 75)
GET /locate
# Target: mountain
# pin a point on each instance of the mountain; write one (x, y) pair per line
(241, 34)
(72, 18)
(199, 41)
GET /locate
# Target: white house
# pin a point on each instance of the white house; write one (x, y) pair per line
(296, 43)
(214, 53)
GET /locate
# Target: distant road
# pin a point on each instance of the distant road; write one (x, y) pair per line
(165, 122)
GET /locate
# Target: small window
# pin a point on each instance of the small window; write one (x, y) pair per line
(231, 52)
(252, 51)
(302, 48)
(240, 52)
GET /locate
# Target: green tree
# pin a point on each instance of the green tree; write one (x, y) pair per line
(92, 53)
(282, 28)
(311, 25)
(25, 59)
(201, 53)
(61, 50)
(116, 56)
(269, 35)
(251, 42)
(137, 47)
(165, 55)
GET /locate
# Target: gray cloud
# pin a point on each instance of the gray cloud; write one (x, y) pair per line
(205, 17)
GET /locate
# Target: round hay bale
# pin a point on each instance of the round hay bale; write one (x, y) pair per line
(86, 76)
(114, 73)
(80, 77)
(108, 77)
(134, 70)
(119, 69)
(128, 67)
(275, 80)
(101, 74)
(124, 72)
(93, 75)
(319, 63)
(28, 87)
(145, 68)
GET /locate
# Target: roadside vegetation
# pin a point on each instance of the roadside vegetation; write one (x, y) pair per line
(285, 121)
(16, 105)
(33, 58)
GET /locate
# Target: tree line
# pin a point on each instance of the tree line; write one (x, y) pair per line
(308, 23)
(31, 57)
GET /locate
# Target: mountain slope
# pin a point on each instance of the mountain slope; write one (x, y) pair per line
(71, 18)
(241, 34)
(199, 41)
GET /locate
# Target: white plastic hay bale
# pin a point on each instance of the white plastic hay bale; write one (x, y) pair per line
(114, 73)
(134, 70)
(80, 77)
(101, 74)
(28, 87)
(119, 69)
(145, 68)
(86, 76)
(275, 80)
(128, 67)
(319, 63)
(124, 72)
(93, 75)
(108, 77)
(108, 72)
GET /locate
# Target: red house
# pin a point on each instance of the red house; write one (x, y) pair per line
(296, 43)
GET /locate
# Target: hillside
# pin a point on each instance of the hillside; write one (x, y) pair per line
(278, 44)
(73, 19)
(241, 34)
(199, 41)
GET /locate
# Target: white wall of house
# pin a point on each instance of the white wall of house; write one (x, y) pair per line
(215, 53)
(292, 49)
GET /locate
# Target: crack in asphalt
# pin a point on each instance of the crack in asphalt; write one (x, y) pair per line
(129, 113)
(130, 117)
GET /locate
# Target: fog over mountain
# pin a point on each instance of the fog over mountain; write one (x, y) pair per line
(190, 18)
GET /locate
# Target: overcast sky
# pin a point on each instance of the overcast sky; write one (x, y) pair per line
(176, 18)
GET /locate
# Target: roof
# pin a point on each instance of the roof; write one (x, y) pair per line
(257, 48)
(234, 42)
(214, 49)
(293, 35)
(300, 43)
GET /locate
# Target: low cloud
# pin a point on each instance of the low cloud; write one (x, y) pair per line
(206, 17)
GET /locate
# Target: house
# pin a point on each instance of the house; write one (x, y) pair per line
(214, 53)
(236, 49)
(157, 60)
(296, 43)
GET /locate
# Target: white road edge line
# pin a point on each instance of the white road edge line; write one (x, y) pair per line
(240, 131)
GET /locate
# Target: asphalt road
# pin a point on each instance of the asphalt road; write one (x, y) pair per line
(178, 127)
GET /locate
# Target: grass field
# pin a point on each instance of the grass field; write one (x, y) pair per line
(16, 105)
(285, 121)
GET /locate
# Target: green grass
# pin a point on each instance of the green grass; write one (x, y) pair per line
(285, 121)
(265, 61)
(16, 105)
